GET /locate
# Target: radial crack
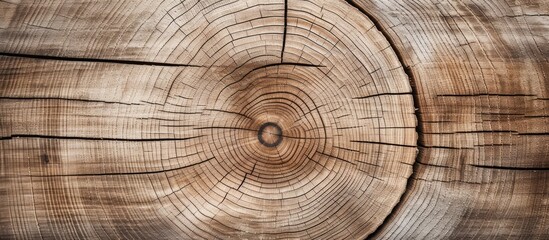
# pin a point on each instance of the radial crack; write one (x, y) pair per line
(511, 168)
(285, 30)
(65, 99)
(95, 138)
(98, 60)
(122, 173)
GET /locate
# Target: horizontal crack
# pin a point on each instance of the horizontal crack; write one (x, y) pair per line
(487, 95)
(289, 64)
(121, 173)
(511, 168)
(95, 138)
(384, 143)
(225, 111)
(99, 60)
(66, 99)
(433, 165)
(535, 133)
(384, 94)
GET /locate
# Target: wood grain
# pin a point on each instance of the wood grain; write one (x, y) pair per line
(274, 119)
(480, 70)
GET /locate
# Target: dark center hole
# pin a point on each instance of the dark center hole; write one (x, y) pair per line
(269, 134)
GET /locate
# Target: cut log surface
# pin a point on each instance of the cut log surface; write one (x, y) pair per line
(320, 119)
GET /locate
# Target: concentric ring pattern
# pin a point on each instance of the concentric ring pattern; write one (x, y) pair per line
(327, 77)
(177, 146)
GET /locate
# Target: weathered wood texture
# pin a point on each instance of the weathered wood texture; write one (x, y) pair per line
(390, 119)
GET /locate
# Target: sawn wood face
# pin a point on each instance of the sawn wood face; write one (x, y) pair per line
(274, 119)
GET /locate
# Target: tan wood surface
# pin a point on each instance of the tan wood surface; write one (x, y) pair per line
(320, 119)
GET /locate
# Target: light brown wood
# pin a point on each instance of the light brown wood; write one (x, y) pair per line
(274, 119)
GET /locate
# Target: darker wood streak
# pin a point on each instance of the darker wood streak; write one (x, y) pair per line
(433, 165)
(444, 147)
(447, 181)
